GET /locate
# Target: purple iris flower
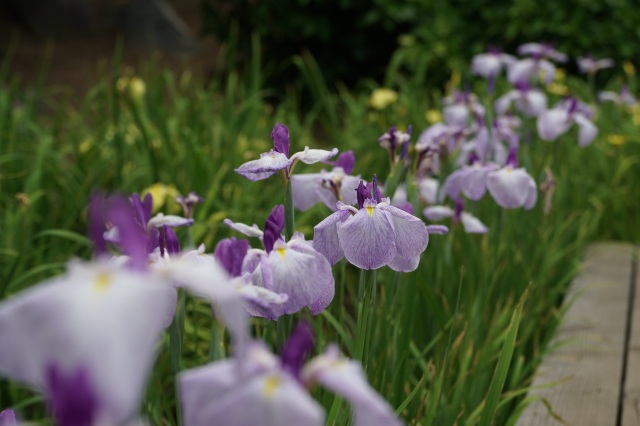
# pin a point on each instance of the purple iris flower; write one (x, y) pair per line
(489, 65)
(461, 107)
(524, 70)
(558, 120)
(393, 140)
(512, 187)
(188, 203)
(542, 50)
(530, 102)
(8, 418)
(278, 158)
(373, 235)
(293, 268)
(469, 180)
(326, 187)
(470, 223)
(261, 388)
(589, 65)
(625, 97)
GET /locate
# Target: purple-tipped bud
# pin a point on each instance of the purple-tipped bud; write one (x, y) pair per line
(97, 223)
(71, 397)
(188, 203)
(512, 158)
(362, 193)
(230, 253)
(347, 161)
(299, 345)
(280, 138)
(273, 227)
(168, 241)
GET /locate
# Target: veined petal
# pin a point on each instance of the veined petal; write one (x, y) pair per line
(325, 236)
(552, 123)
(472, 224)
(310, 156)
(304, 275)
(159, 220)
(412, 237)
(509, 187)
(346, 378)
(304, 188)
(268, 164)
(216, 395)
(106, 319)
(368, 239)
(249, 231)
(473, 182)
(438, 212)
(587, 131)
(404, 264)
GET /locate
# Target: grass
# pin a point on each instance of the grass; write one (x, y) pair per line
(456, 341)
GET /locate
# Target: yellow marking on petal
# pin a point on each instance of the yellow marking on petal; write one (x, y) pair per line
(509, 170)
(102, 282)
(370, 211)
(281, 252)
(270, 385)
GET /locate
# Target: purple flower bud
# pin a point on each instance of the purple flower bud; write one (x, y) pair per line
(347, 161)
(374, 193)
(168, 240)
(230, 253)
(188, 203)
(512, 159)
(142, 208)
(280, 137)
(273, 227)
(362, 193)
(298, 346)
(71, 397)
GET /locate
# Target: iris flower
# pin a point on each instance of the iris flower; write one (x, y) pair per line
(278, 158)
(589, 65)
(470, 223)
(461, 108)
(326, 187)
(7, 418)
(524, 70)
(263, 389)
(373, 235)
(530, 102)
(558, 120)
(294, 268)
(625, 97)
(489, 65)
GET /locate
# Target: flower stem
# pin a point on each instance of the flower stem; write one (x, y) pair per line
(289, 214)
(176, 332)
(366, 299)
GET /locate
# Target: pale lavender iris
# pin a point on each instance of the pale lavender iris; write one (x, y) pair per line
(8, 418)
(589, 65)
(278, 158)
(326, 187)
(461, 108)
(530, 102)
(542, 50)
(261, 388)
(625, 97)
(511, 186)
(558, 120)
(469, 180)
(373, 235)
(490, 64)
(293, 268)
(524, 70)
(188, 203)
(470, 223)
(394, 140)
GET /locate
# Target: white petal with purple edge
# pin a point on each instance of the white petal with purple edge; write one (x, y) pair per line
(161, 219)
(310, 156)
(268, 164)
(249, 231)
(368, 239)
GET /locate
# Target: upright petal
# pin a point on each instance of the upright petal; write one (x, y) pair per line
(280, 138)
(587, 131)
(325, 236)
(438, 212)
(310, 156)
(368, 239)
(230, 252)
(249, 231)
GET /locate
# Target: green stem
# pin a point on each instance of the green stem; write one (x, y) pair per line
(366, 299)
(289, 214)
(176, 332)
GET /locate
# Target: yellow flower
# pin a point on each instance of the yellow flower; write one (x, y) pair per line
(558, 89)
(433, 116)
(160, 193)
(137, 88)
(382, 98)
(616, 139)
(560, 75)
(628, 68)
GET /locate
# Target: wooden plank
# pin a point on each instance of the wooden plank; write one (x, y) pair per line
(589, 346)
(631, 401)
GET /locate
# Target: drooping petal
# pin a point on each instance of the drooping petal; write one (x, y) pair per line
(587, 131)
(548, 69)
(304, 187)
(521, 71)
(503, 103)
(472, 224)
(473, 182)
(368, 239)
(325, 236)
(535, 103)
(532, 196)
(437, 230)
(457, 115)
(310, 156)
(412, 237)
(346, 378)
(106, 319)
(160, 220)
(509, 187)
(428, 188)
(249, 231)
(552, 123)
(216, 395)
(438, 212)
(268, 164)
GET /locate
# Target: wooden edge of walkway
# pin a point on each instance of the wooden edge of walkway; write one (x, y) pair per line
(592, 374)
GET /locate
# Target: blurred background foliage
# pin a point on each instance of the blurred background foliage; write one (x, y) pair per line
(426, 39)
